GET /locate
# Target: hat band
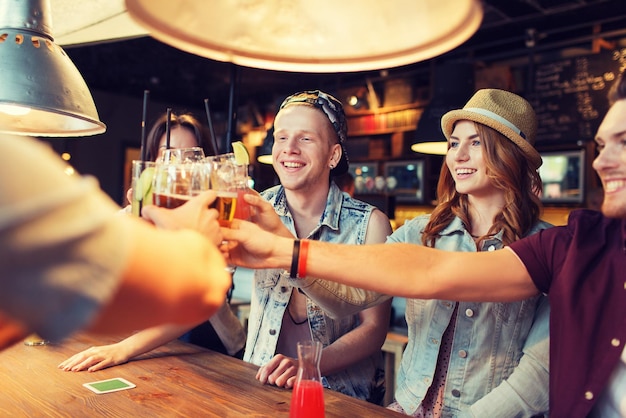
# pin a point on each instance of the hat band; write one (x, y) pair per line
(497, 118)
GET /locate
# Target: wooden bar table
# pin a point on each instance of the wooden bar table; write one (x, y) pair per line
(175, 380)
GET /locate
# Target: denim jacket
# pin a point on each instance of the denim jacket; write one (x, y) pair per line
(499, 358)
(344, 220)
(507, 343)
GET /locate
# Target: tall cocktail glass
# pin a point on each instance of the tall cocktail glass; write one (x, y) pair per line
(141, 185)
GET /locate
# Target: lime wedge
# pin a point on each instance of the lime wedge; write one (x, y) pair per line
(241, 153)
(145, 186)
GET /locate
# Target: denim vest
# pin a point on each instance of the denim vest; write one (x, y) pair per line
(344, 220)
(499, 358)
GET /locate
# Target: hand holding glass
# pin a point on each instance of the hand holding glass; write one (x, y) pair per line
(143, 174)
(230, 181)
(175, 183)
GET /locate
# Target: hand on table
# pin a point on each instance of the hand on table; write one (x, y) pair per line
(280, 371)
(95, 358)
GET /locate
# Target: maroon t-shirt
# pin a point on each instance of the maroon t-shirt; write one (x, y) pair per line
(582, 268)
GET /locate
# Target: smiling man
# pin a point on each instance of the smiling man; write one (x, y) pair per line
(579, 266)
(309, 134)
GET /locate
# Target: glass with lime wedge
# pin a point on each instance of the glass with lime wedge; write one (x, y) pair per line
(241, 153)
(142, 174)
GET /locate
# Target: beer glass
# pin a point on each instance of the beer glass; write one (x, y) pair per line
(230, 182)
(175, 183)
(223, 181)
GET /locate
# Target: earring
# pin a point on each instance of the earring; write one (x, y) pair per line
(332, 166)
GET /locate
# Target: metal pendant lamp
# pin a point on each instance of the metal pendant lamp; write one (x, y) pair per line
(311, 36)
(264, 152)
(42, 93)
(452, 85)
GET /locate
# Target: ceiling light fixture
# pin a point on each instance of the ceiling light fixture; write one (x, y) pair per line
(452, 85)
(311, 36)
(42, 93)
(264, 152)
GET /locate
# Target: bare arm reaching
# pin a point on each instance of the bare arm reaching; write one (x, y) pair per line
(409, 270)
(66, 248)
(183, 283)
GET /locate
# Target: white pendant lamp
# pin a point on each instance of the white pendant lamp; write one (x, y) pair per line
(311, 36)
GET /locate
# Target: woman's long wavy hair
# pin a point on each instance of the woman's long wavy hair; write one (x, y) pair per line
(184, 120)
(509, 170)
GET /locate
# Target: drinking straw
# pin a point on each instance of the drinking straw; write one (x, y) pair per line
(211, 130)
(143, 126)
(232, 105)
(167, 128)
(142, 151)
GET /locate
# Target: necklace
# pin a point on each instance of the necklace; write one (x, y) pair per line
(305, 320)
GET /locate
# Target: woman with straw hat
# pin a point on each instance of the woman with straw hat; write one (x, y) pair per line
(489, 359)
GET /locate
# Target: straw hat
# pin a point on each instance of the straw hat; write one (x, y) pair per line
(507, 113)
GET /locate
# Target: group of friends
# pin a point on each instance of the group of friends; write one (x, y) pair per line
(507, 315)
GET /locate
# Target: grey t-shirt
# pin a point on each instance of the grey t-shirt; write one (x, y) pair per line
(62, 249)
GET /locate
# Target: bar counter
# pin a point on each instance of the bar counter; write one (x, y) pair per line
(175, 380)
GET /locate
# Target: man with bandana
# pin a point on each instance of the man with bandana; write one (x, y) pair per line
(309, 134)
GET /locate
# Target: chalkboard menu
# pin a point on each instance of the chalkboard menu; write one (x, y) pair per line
(570, 95)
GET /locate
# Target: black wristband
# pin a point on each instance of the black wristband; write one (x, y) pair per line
(295, 256)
